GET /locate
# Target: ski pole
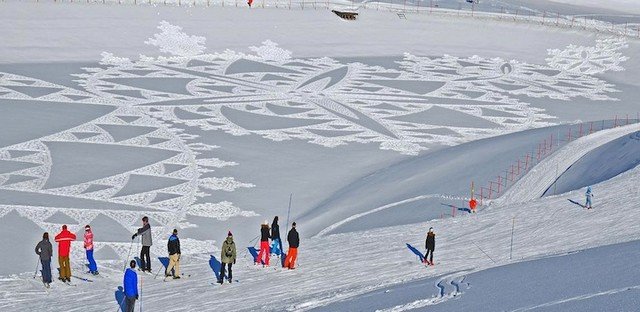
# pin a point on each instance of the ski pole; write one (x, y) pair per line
(288, 213)
(128, 255)
(37, 266)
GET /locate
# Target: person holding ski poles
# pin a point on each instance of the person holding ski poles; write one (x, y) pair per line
(264, 244)
(228, 257)
(292, 254)
(173, 245)
(588, 196)
(145, 232)
(131, 286)
(45, 251)
(64, 239)
(88, 246)
(276, 243)
(430, 245)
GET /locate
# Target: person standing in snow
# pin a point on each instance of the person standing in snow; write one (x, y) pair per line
(228, 257)
(276, 243)
(264, 244)
(145, 232)
(88, 246)
(131, 286)
(588, 196)
(292, 254)
(173, 245)
(45, 251)
(64, 239)
(473, 203)
(430, 245)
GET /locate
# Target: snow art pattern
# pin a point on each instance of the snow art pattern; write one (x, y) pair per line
(430, 100)
(111, 150)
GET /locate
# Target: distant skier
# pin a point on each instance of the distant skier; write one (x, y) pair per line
(145, 232)
(473, 203)
(430, 245)
(131, 286)
(276, 243)
(250, 2)
(292, 254)
(45, 251)
(264, 244)
(588, 196)
(228, 257)
(88, 246)
(173, 245)
(64, 239)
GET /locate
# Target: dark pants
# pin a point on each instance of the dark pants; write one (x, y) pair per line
(145, 258)
(429, 252)
(46, 271)
(131, 304)
(222, 271)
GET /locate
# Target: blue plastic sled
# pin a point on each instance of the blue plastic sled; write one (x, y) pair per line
(254, 253)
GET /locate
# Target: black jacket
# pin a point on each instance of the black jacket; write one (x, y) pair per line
(430, 244)
(293, 238)
(264, 232)
(173, 245)
(275, 230)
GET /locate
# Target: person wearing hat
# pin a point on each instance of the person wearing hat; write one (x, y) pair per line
(292, 254)
(173, 245)
(264, 244)
(88, 246)
(45, 251)
(130, 283)
(64, 239)
(228, 257)
(430, 245)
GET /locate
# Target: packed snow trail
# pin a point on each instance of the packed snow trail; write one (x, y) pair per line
(535, 183)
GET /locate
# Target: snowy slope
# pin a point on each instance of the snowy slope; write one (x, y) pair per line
(544, 174)
(112, 112)
(465, 243)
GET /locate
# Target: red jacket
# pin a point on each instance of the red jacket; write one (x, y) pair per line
(64, 240)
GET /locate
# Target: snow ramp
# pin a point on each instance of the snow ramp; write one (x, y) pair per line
(539, 179)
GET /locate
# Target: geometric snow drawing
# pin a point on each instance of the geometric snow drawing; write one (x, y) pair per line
(112, 146)
(85, 158)
(603, 57)
(331, 103)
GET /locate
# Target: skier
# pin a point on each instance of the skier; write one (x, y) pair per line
(64, 239)
(292, 254)
(45, 251)
(131, 286)
(264, 244)
(276, 243)
(588, 195)
(145, 231)
(249, 2)
(88, 246)
(174, 255)
(473, 203)
(228, 257)
(430, 245)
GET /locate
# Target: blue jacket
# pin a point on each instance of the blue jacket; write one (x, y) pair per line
(130, 283)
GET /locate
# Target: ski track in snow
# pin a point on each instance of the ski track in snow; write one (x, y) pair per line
(367, 257)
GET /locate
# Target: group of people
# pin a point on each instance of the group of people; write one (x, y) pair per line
(266, 249)
(44, 249)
